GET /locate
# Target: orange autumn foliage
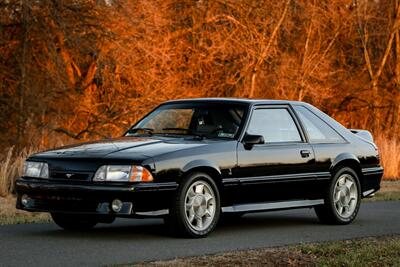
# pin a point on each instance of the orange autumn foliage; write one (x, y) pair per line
(89, 69)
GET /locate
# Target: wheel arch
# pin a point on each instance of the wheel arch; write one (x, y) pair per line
(347, 160)
(201, 163)
(207, 167)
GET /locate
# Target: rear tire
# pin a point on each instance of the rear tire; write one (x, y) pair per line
(74, 222)
(342, 201)
(196, 207)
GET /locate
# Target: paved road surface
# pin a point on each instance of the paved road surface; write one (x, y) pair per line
(129, 241)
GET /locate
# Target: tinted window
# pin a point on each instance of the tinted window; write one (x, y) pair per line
(206, 120)
(275, 124)
(170, 118)
(318, 130)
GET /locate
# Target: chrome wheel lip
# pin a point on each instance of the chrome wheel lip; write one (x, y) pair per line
(200, 205)
(345, 196)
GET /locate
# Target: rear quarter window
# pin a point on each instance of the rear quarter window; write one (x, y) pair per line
(318, 131)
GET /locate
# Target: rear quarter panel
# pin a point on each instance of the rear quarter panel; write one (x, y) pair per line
(365, 153)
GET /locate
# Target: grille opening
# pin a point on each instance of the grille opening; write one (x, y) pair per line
(70, 175)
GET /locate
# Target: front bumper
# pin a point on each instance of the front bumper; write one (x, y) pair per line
(93, 198)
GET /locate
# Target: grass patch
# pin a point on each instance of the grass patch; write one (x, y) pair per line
(10, 215)
(390, 157)
(11, 167)
(364, 252)
(379, 251)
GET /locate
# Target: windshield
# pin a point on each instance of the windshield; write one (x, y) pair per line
(192, 119)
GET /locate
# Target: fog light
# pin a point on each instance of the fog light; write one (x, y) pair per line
(116, 205)
(25, 200)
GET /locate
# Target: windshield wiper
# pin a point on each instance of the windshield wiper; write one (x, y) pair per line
(188, 132)
(146, 130)
(177, 129)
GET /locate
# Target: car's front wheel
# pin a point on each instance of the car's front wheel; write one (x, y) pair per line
(74, 221)
(196, 208)
(343, 198)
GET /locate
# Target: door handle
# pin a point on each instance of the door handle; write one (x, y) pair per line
(305, 153)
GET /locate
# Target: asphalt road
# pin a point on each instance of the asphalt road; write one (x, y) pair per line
(130, 241)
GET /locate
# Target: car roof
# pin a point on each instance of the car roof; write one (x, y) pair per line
(235, 100)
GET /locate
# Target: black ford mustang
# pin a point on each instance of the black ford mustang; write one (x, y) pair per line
(193, 161)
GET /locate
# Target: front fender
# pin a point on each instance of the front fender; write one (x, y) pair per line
(201, 163)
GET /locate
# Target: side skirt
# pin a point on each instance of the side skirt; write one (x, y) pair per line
(249, 207)
(272, 205)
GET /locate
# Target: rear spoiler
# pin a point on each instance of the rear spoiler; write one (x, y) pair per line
(364, 134)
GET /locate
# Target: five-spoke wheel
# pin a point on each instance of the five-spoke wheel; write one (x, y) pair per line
(200, 205)
(345, 195)
(342, 200)
(196, 207)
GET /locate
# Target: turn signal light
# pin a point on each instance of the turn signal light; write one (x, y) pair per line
(139, 173)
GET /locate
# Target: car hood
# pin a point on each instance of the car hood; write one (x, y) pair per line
(134, 148)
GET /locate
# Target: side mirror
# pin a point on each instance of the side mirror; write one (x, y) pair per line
(249, 140)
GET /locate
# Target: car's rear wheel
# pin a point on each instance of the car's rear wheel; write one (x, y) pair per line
(343, 198)
(74, 221)
(196, 208)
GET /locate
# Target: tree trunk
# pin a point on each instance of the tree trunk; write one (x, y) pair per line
(22, 84)
(396, 109)
(265, 51)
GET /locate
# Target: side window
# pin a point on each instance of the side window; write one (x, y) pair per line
(275, 124)
(318, 130)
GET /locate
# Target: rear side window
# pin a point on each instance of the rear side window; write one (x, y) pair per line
(318, 130)
(275, 125)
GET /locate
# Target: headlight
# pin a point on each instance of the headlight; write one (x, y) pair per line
(36, 169)
(123, 173)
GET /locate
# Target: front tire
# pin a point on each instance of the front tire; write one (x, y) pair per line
(342, 200)
(76, 222)
(196, 207)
